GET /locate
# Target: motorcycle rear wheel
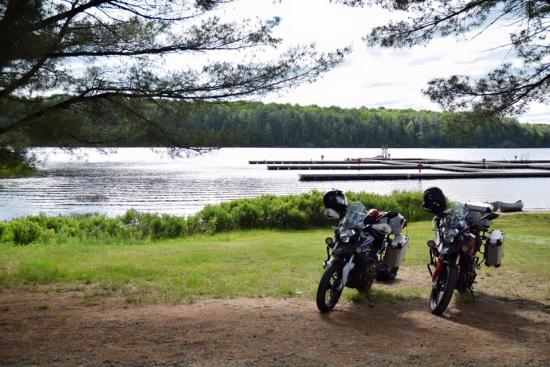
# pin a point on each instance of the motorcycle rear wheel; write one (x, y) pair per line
(386, 274)
(442, 289)
(328, 293)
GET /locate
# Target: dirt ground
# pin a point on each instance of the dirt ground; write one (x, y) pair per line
(60, 329)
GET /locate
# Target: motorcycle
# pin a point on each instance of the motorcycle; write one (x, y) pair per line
(359, 253)
(460, 233)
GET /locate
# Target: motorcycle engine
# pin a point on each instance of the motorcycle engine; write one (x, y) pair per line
(363, 274)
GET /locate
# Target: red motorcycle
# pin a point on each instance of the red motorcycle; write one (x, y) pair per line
(460, 233)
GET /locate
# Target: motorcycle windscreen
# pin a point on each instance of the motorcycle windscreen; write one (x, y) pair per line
(355, 215)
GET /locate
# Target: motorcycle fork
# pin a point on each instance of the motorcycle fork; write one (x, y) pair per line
(432, 262)
(326, 262)
(345, 272)
(438, 269)
(440, 263)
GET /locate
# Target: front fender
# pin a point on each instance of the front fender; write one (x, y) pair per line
(343, 250)
(440, 263)
(336, 260)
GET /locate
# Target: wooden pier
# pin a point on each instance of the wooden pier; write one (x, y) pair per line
(449, 169)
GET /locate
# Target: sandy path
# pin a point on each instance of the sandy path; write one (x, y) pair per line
(270, 332)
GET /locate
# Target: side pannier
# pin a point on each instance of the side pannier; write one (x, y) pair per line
(474, 212)
(399, 244)
(494, 248)
(396, 221)
(397, 249)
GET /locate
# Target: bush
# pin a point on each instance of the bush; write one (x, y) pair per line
(24, 232)
(3, 227)
(266, 211)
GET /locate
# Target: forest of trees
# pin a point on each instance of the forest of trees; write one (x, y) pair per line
(254, 124)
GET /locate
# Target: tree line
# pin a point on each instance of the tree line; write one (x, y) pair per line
(255, 124)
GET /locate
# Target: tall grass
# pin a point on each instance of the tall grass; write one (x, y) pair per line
(264, 212)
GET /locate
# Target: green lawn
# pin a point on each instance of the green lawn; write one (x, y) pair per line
(243, 263)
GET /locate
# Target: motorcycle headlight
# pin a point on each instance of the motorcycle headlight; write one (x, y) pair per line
(346, 234)
(449, 235)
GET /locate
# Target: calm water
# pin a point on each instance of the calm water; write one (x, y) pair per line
(88, 181)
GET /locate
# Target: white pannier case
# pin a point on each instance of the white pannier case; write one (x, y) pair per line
(395, 220)
(474, 211)
(494, 249)
(397, 248)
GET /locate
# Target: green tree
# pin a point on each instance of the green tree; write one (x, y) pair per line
(507, 88)
(89, 72)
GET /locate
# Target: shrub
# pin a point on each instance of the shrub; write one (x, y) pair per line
(3, 227)
(266, 211)
(24, 232)
(130, 218)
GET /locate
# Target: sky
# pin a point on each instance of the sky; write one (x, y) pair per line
(374, 77)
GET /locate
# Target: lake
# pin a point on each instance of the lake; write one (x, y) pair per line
(88, 181)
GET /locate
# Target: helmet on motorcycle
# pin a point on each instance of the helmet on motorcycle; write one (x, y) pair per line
(372, 216)
(335, 201)
(434, 201)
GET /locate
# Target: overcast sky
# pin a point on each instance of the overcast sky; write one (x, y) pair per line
(373, 77)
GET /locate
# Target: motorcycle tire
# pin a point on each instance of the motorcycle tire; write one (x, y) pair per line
(387, 275)
(328, 286)
(443, 289)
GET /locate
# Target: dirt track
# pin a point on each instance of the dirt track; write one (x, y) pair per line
(270, 332)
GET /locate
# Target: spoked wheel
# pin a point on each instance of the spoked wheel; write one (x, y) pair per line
(328, 293)
(442, 289)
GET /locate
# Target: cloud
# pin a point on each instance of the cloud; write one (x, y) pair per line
(377, 76)
(381, 84)
(424, 60)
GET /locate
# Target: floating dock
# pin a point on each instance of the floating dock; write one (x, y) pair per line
(300, 167)
(365, 161)
(418, 176)
(450, 169)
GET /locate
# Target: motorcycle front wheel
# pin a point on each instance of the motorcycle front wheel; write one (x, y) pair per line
(328, 293)
(442, 289)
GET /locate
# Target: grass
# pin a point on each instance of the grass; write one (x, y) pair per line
(279, 263)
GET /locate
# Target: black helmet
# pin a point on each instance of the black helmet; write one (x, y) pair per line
(434, 201)
(337, 201)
